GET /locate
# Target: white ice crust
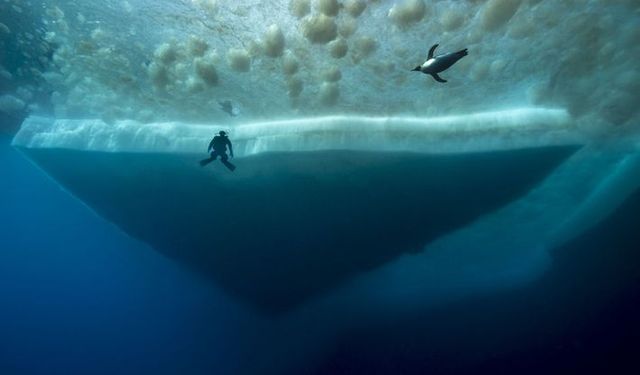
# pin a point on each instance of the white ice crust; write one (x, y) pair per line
(499, 130)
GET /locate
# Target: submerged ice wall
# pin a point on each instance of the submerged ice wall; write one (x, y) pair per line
(287, 227)
(324, 198)
(355, 193)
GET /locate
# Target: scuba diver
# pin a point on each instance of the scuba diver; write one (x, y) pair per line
(218, 147)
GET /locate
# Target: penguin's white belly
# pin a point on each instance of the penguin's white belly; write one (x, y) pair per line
(428, 63)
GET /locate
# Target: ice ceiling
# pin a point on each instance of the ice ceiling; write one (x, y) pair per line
(173, 60)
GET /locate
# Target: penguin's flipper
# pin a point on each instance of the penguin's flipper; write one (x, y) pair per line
(432, 50)
(437, 78)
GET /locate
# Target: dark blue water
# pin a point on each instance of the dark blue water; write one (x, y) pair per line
(581, 317)
(77, 296)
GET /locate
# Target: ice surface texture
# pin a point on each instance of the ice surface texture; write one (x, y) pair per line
(166, 60)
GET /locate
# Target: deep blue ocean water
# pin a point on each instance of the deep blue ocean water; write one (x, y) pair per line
(77, 296)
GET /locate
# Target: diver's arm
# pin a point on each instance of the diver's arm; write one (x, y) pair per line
(210, 146)
(230, 148)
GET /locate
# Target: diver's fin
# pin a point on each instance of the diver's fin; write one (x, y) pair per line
(437, 78)
(432, 50)
(229, 165)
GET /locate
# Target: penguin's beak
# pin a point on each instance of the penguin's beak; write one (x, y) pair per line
(416, 69)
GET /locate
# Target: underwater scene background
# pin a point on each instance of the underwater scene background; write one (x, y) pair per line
(378, 221)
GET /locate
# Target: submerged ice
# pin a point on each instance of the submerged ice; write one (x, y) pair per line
(328, 200)
(287, 226)
(324, 198)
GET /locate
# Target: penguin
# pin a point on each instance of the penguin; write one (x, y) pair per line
(439, 63)
(228, 107)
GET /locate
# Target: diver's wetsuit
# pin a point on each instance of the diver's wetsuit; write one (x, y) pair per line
(218, 147)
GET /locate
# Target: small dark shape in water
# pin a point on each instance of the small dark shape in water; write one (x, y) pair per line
(439, 63)
(228, 107)
(218, 147)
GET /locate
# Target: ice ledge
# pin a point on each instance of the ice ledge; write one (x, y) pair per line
(499, 130)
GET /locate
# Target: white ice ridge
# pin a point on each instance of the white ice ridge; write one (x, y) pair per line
(498, 130)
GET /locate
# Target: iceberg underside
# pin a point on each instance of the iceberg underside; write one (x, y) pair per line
(311, 205)
(286, 226)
